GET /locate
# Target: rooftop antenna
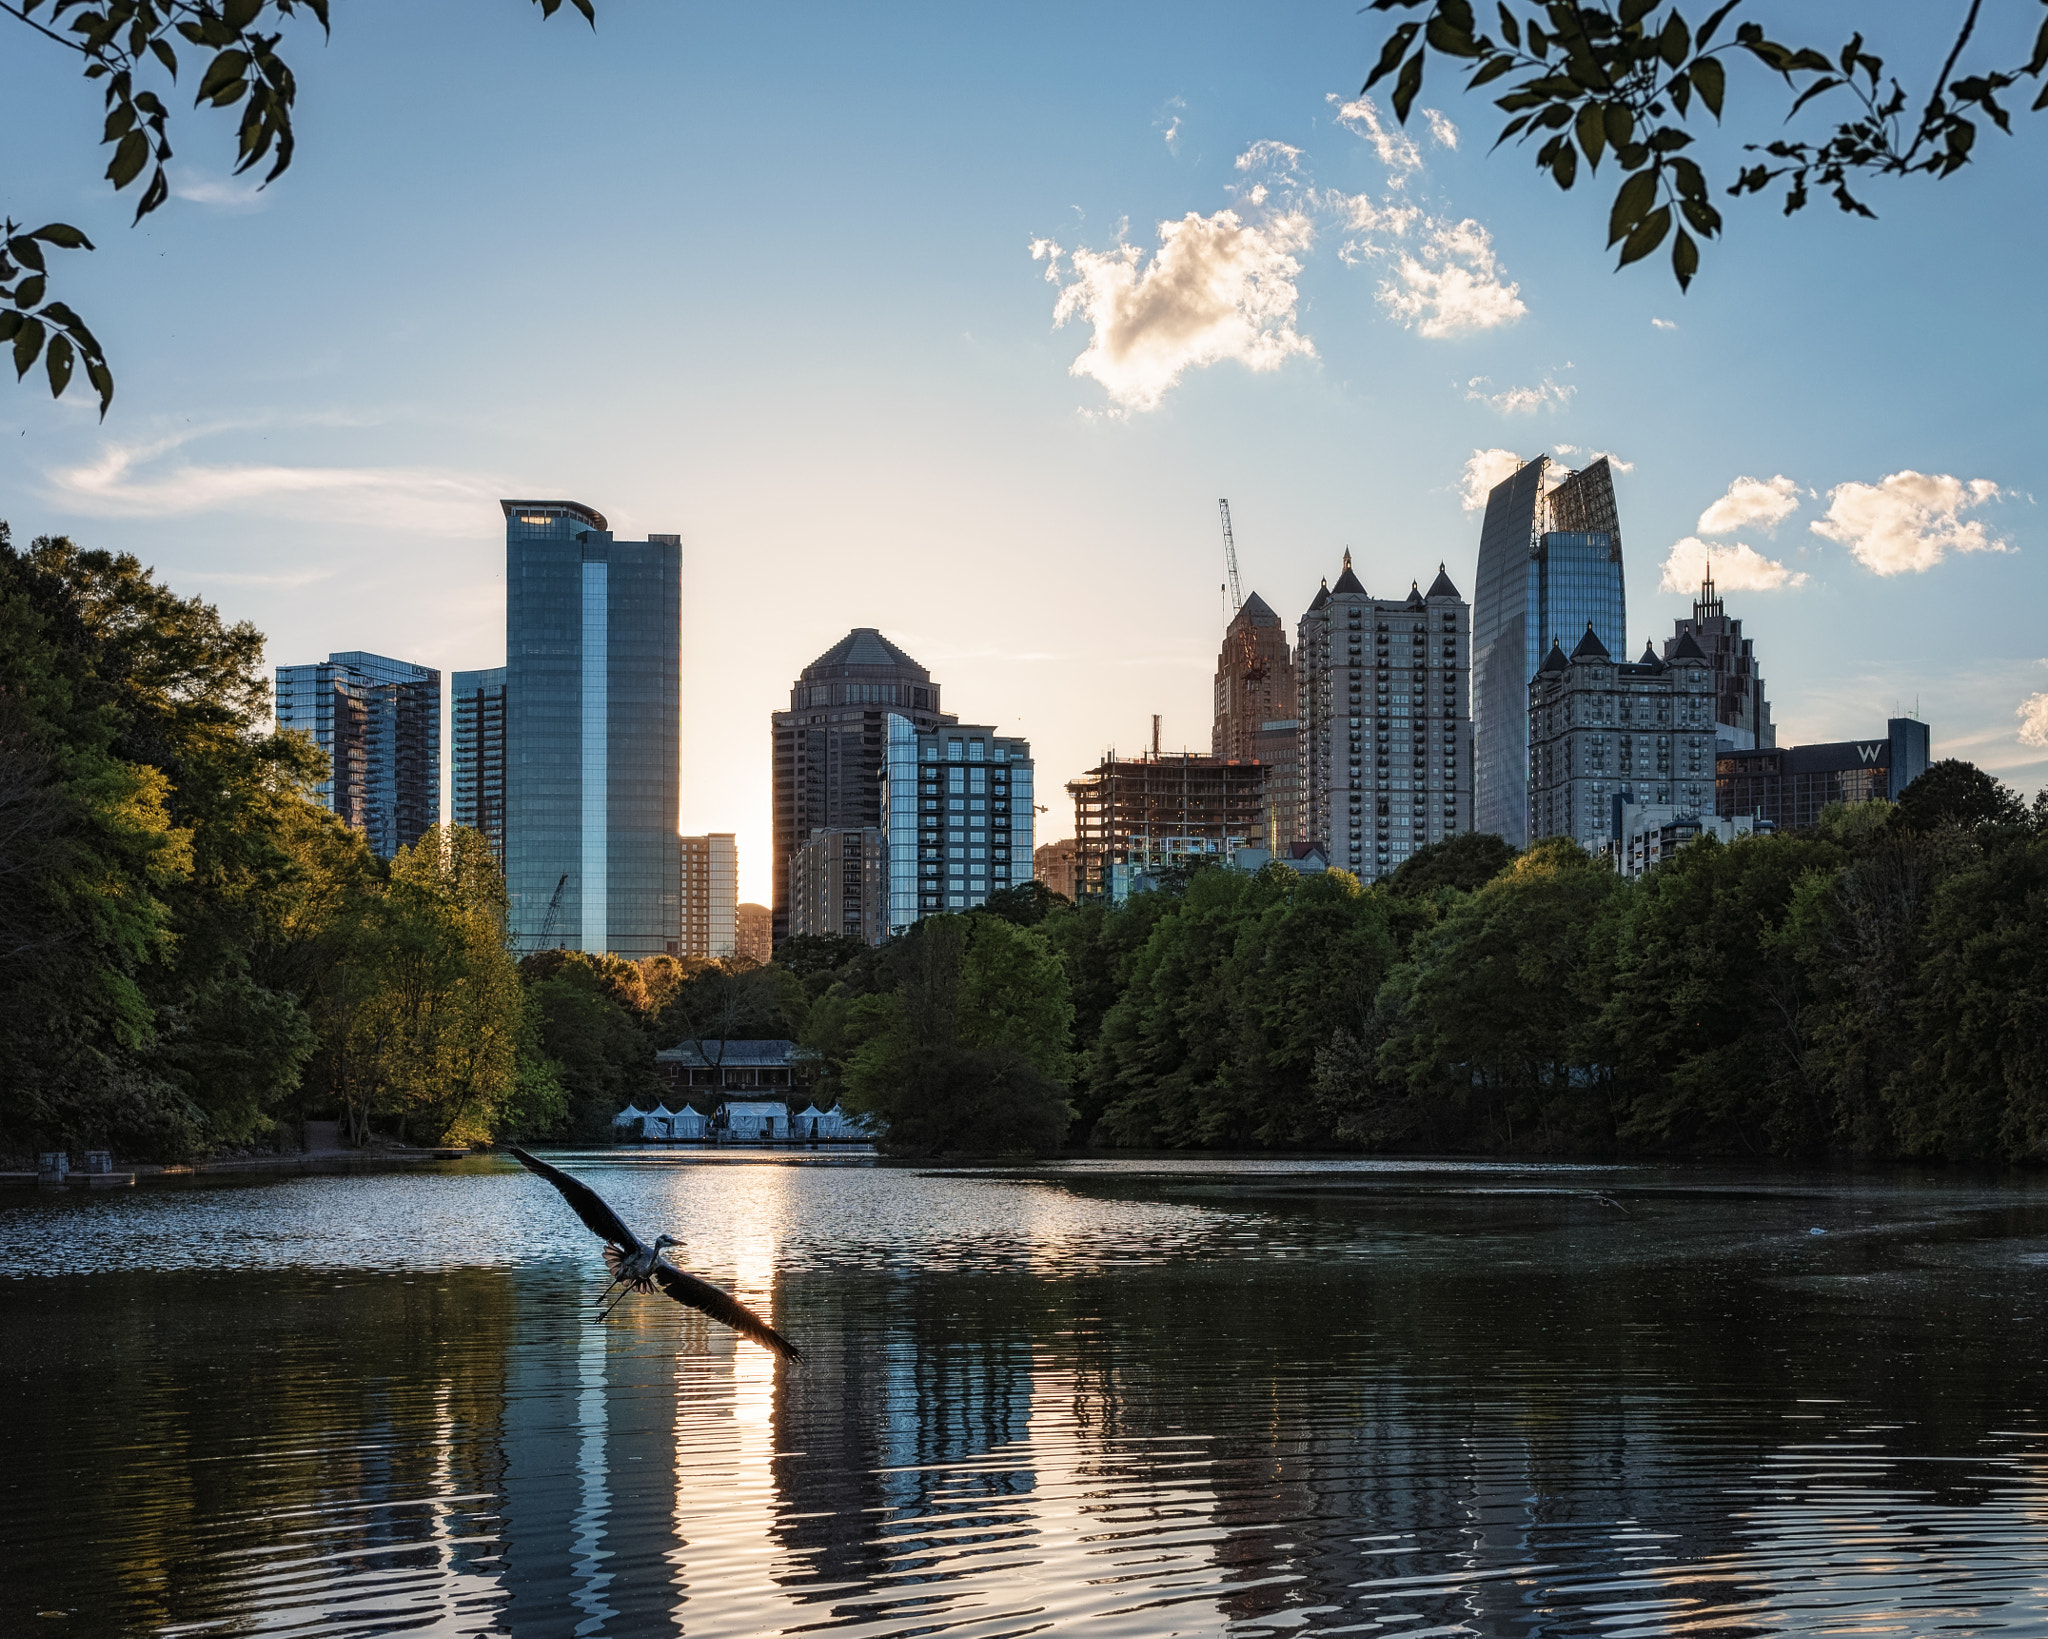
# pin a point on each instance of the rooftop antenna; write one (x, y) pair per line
(1230, 558)
(1155, 736)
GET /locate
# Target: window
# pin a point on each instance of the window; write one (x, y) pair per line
(977, 750)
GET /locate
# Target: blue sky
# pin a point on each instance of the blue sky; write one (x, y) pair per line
(763, 277)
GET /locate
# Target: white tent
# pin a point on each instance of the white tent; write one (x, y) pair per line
(689, 1124)
(661, 1122)
(832, 1123)
(628, 1116)
(755, 1119)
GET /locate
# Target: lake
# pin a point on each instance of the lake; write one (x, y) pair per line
(1202, 1396)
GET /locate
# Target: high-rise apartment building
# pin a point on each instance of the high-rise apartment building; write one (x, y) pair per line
(379, 721)
(478, 713)
(1742, 716)
(830, 745)
(957, 812)
(1255, 705)
(593, 701)
(756, 932)
(1603, 734)
(839, 885)
(1549, 564)
(1135, 817)
(708, 886)
(1053, 864)
(1386, 744)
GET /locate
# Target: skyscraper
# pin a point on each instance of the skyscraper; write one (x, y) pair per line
(1255, 721)
(957, 813)
(710, 888)
(478, 710)
(593, 635)
(1742, 716)
(1386, 764)
(379, 721)
(1549, 565)
(839, 885)
(831, 743)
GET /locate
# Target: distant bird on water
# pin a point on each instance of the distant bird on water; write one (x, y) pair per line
(639, 1267)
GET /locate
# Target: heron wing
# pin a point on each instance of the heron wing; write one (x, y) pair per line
(723, 1307)
(584, 1201)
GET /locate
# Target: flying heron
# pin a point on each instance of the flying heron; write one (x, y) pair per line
(638, 1266)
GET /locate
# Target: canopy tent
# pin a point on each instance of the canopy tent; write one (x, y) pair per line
(630, 1114)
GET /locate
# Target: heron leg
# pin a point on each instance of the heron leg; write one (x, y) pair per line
(606, 1314)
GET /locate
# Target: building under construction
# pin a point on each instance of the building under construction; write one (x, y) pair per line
(1137, 817)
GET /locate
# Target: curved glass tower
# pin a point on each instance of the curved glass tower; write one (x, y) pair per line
(1549, 567)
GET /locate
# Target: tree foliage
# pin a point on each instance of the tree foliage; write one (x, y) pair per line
(1621, 81)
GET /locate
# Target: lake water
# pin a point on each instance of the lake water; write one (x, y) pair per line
(1116, 1398)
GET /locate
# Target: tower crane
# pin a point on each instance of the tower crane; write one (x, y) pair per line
(1230, 558)
(547, 922)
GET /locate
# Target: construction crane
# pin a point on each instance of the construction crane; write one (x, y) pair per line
(547, 922)
(1230, 558)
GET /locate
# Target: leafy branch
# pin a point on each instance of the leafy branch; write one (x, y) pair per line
(1621, 80)
(131, 47)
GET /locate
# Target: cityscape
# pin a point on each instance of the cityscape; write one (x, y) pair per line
(1387, 725)
(1146, 822)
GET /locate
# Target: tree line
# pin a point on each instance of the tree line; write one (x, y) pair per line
(194, 954)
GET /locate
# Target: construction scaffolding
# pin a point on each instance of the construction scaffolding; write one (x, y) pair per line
(1136, 818)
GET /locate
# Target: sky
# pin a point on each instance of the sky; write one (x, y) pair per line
(957, 322)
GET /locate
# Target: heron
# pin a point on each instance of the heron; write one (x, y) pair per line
(638, 1265)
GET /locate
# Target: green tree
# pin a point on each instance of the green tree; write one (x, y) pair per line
(1954, 792)
(133, 50)
(969, 1053)
(1492, 1012)
(1467, 861)
(1621, 81)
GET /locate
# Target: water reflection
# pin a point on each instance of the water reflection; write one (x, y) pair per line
(1199, 1399)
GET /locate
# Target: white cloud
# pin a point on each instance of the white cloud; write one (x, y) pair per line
(200, 187)
(1217, 288)
(1169, 122)
(1483, 470)
(1663, 324)
(1908, 520)
(1395, 147)
(1520, 400)
(1737, 568)
(133, 481)
(1266, 153)
(1591, 455)
(2033, 715)
(1442, 132)
(1762, 502)
(1453, 286)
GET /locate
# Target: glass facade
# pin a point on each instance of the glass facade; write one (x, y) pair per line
(592, 713)
(478, 714)
(957, 810)
(379, 721)
(1536, 583)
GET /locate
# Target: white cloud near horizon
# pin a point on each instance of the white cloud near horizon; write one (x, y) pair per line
(1576, 450)
(135, 481)
(1453, 286)
(1762, 503)
(1441, 131)
(1520, 400)
(2033, 715)
(1483, 470)
(1737, 568)
(1909, 521)
(1663, 324)
(1217, 288)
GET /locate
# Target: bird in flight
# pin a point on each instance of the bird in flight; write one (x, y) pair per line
(638, 1266)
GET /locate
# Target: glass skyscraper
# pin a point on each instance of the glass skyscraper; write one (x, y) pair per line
(478, 710)
(593, 704)
(957, 812)
(1549, 567)
(379, 721)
